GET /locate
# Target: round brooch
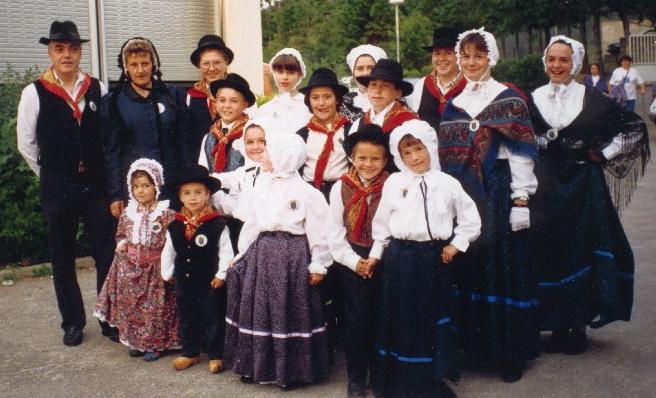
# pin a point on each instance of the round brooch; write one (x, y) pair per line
(156, 227)
(92, 106)
(474, 125)
(161, 107)
(201, 240)
(552, 134)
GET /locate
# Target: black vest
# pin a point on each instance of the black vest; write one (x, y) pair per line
(429, 109)
(196, 260)
(63, 143)
(200, 123)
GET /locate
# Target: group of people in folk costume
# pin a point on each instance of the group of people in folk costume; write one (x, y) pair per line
(415, 225)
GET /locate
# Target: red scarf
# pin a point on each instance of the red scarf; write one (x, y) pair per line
(396, 116)
(314, 125)
(51, 84)
(192, 223)
(219, 152)
(356, 208)
(431, 85)
(201, 90)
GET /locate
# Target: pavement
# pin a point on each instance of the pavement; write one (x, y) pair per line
(621, 360)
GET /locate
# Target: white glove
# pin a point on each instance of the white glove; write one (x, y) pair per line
(520, 218)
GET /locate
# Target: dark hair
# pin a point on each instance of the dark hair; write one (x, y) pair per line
(626, 57)
(286, 62)
(141, 173)
(595, 64)
(372, 142)
(477, 40)
(409, 140)
(339, 98)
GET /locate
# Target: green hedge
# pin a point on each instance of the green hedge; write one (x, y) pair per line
(527, 72)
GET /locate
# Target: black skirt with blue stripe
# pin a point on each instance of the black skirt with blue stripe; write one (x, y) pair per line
(415, 333)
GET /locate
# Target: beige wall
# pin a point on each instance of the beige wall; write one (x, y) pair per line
(612, 30)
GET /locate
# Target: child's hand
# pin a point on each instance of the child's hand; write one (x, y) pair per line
(448, 252)
(122, 246)
(315, 279)
(362, 267)
(231, 263)
(171, 280)
(265, 161)
(217, 283)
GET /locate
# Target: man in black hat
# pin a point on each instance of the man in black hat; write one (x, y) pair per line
(59, 135)
(433, 91)
(212, 58)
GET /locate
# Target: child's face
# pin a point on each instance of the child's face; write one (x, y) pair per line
(286, 80)
(323, 103)
(194, 196)
(143, 190)
(369, 160)
(255, 143)
(381, 93)
(230, 104)
(415, 156)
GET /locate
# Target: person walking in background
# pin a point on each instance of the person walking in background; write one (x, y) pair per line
(595, 80)
(59, 133)
(630, 78)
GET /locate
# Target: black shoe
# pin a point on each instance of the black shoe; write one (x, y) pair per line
(512, 372)
(557, 342)
(110, 332)
(135, 353)
(577, 342)
(247, 380)
(73, 336)
(356, 389)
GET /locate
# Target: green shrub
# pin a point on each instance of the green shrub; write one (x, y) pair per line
(42, 270)
(527, 73)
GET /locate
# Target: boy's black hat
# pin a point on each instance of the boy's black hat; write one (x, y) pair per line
(391, 71)
(446, 37)
(368, 133)
(193, 173)
(235, 82)
(324, 77)
(211, 41)
(63, 31)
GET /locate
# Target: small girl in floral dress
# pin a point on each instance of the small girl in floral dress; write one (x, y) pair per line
(134, 298)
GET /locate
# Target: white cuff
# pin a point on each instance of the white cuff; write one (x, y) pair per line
(377, 249)
(460, 243)
(315, 268)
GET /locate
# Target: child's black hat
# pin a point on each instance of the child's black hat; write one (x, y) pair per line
(194, 173)
(368, 133)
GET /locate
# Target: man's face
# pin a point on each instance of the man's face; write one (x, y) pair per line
(65, 57)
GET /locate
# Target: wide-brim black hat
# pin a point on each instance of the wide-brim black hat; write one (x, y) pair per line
(193, 173)
(236, 82)
(211, 41)
(368, 133)
(324, 77)
(389, 70)
(63, 31)
(443, 38)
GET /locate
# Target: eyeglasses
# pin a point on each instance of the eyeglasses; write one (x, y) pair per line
(212, 64)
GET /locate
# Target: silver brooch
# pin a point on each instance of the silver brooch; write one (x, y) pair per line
(201, 240)
(552, 134)
(474, 125)
(156, 227)
(92, 106)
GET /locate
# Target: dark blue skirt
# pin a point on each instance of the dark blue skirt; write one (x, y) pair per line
(415, 333)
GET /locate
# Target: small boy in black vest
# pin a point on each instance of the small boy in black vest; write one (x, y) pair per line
(197, 253)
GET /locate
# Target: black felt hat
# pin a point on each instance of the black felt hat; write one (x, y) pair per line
(443, 38)
(388, 70)
(235, 82)
(368, 133)
(324, 77)
(193, 173)
(211, 41)
(63, 31)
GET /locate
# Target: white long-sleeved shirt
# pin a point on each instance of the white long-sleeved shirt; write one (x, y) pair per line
(401, 212)
(633, 80)
(28, 112)
(290, 112)
(225, 256)
(289, 205)
(240, 184)
(338, 163)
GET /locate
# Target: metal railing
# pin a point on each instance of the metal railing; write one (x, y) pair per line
(642, 49)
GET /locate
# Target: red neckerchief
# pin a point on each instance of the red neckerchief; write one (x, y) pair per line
(431, 85)
(192, 223)
(201, 90)
(396, 116)
(51, 84)
(322, 162)
(219, 151)
(355, 210)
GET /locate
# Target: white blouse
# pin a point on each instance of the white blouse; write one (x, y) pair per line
(289, 205)
(136, 216)
(240, 184)
(401, 212)
(290, 112)
(338, 163)
(225, 256)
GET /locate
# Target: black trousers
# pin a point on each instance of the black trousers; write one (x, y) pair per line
(202, 313)
(359, 298)
(66, 200)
